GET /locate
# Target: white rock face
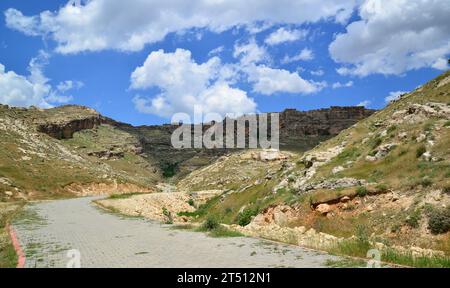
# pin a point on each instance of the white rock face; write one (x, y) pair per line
(421, 138)
(271, 155)
(337, 169)
(152, 205)
(427, 156)
(334, 184)
(403, 135)
(384, 150)
(371, 158)
(418, 113)
(279, 215)
(323, 209)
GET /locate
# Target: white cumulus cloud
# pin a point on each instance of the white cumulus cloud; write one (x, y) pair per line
(18, 90)
(304, 55)
(394, 37)
(283, 35)
(365, 103)
(34, 89)
(183, 84)
(250, 52)
(252, 65)
(394, 96)
(268, 81)
(342, 85)
(318, 72)
(130, 25)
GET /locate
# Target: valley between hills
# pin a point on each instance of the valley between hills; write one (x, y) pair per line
(346, 180)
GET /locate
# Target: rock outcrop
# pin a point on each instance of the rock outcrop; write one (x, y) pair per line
(418, 113)
(320, 122)
(66, 129)
(62, 122)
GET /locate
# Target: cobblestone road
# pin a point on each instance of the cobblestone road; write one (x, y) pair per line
(48, 230)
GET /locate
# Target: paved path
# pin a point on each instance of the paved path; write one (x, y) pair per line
(48, 230)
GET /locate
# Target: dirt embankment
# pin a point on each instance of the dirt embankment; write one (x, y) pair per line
(163, 207)
(96, 189)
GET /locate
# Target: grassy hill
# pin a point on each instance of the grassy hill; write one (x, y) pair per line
(35, 165)
(385, 179)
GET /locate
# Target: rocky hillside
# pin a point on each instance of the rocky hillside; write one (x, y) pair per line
(300, 130)
(73, 149)
(384, 181)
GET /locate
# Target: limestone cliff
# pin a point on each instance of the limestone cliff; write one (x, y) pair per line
(49, 149)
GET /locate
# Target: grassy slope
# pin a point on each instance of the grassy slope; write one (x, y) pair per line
(232, 175)
(401, 168)
(38, 166)
(8, 257)
(400, 171)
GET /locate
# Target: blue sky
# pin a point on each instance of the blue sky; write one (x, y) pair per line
(112, 74)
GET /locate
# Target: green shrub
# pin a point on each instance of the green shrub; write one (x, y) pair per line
(191, 202)
(446, 189)
(428, 127)
(420, 151)
(169, 170)
(348, 154)
(210, 224)
(395, 228)
(362, 235)
(168, 214)
(439, 221)
(447, 124)
(426, 182)
(391, 129)
(361, 191)
(413, 219)
(381, 188)
(281, 190)
(245, 217)
(376, 142)
(222, 232)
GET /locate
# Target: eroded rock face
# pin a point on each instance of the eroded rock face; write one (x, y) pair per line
(384, 150)
(265, 155)
(311, 238)
(105, 189)
(418, 113)
(107, 155)
(162, 207)
(299, 130)
(280, 215)
(323, 209)
(66, 129)
(297, 235)
(333, 184)
(320, 122)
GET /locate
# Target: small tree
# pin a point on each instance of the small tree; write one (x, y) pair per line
(210, 224)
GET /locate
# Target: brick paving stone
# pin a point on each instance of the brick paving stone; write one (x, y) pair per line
(48, 230)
